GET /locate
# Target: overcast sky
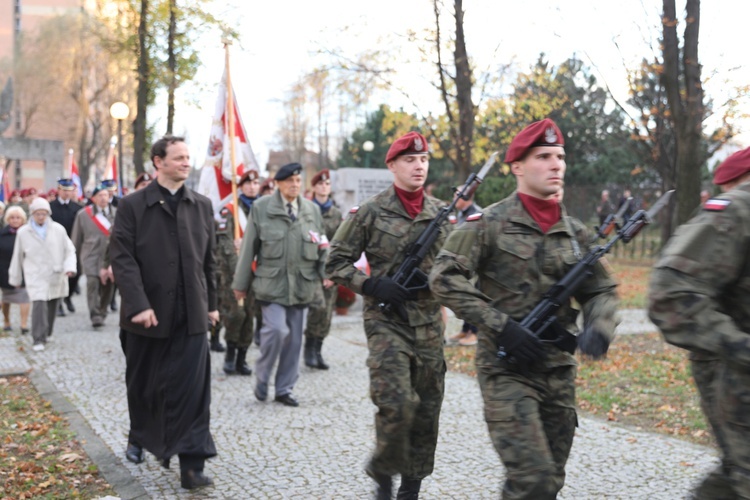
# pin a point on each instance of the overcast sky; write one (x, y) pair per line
(280, 40)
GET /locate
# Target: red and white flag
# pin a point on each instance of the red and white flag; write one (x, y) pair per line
(110, 169)
(215, 181)
(74, 175)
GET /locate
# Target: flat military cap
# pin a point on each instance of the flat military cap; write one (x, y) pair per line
(99, 187)
(287, 171)
(542, 133)
(144, 177)
(735, 166)
(66, 184)
(323, 175)
(249, 176)
(411, 143)
(109, 184)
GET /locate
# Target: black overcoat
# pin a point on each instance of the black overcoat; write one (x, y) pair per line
(65, 213)
(146, 254)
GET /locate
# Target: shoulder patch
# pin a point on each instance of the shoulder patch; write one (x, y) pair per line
(354, 210)
(473, 217)
(716, 205)
(452, 219)
(224, 211)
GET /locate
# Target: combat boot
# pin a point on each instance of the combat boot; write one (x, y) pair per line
(321, 365)
(311, 359)
(409, 489)
(229, 358)
(216, 345)
(383, 482)
(241, 366)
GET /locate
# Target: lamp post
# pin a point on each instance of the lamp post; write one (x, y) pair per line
(368, 146)
(119, 111)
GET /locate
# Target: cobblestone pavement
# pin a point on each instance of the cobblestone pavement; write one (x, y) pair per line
(318, 450)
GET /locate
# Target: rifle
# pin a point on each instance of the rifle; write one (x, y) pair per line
(408, 274)
(613, 221)
(544, 314)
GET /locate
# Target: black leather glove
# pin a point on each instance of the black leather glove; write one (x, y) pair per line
(385, 290)
(520, 343)
(593, 343)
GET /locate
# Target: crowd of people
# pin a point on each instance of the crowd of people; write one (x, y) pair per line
(265, 269)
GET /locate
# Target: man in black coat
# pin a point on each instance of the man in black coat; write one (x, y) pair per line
(64, 211)
(162, 260)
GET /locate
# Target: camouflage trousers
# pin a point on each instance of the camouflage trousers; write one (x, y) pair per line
(733, 401)
(531, 419)
(319, 316)
(237, 321)
(718, 484)
(407, 375)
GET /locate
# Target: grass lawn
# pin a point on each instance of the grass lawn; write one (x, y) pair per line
(39, 457)
(643, 382)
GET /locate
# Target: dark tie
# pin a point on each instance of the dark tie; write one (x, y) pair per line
(290, 212)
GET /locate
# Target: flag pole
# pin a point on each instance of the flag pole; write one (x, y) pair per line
(69, 173)
(230, 126)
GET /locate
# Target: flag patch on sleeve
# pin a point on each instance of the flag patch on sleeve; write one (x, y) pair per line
(474, 217)
(716, 205)
(354, 210)
(452, 219)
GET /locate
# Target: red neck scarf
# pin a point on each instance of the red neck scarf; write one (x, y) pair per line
(412, 201)
(546, 213)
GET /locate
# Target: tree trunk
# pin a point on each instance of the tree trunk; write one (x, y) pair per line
(139, 125)
(466, 109)
(172, 64)
(685, 98)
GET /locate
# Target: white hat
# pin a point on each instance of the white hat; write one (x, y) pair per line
(39, 204)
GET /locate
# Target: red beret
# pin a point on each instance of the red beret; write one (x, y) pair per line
(250, 175)
(143, 177)
(24, 193)
(323, 175)
(412, 143)
(733, 167)
(268, 184)
(541, 133)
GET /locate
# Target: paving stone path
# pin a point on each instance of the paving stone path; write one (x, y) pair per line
(318, 450)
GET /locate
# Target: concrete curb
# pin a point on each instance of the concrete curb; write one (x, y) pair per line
(117, 475)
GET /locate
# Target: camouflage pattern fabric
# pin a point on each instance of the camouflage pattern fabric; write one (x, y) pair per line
(319, 315)
(237, 320)
(530, 413)
(406, 363)
(699, 297)
(407, 374)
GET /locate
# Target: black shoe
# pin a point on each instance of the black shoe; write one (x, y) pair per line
(97, 324)
(69, 304)
(260, 395)
(113, 305)
(134, 453)
(217, 346)
(229, 358)
(409, 489)
(24, 331)
(241, 366)
(165, 463)
(384, 484)
(60, 310)
(191, 479)
(286, 400)
(321, 365)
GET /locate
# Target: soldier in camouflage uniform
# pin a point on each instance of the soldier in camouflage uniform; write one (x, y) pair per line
(699, 298)
(406, 363)
(518, 248)
(319, 316)
(238, 320)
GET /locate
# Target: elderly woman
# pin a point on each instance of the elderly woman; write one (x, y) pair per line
(13, 219)
(43, 258)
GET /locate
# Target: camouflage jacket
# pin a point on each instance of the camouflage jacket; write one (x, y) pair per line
(699, 294)
(515, 264)
(226, 255)
(381, 228)
(290, 255)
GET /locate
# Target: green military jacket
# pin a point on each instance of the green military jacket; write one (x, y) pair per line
(331, 221)
(291, 255)
(226, 255)
(515, 264)
(382, 229)
(699, 294)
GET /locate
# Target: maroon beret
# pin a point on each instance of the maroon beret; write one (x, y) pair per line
(268, 184)
(250, 175)
(733, 167)
(323, 175)
(542, 133)
(412, 143)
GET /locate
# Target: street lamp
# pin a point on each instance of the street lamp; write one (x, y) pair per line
(119, 111)
(368, 146)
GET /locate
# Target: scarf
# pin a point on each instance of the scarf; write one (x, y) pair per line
(412, 201)
(324, 207)
(248, 202)
(546, 213)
